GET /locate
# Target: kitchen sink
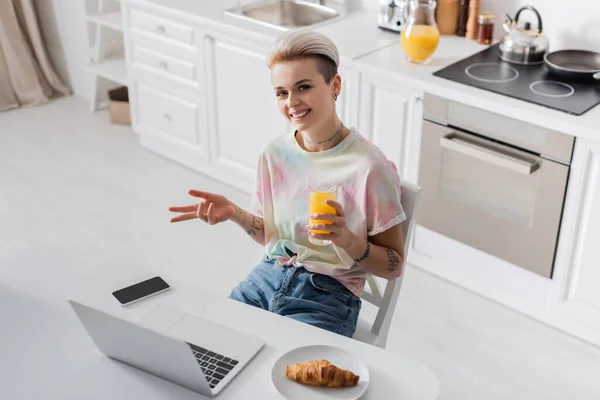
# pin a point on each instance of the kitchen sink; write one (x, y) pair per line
(291, 14)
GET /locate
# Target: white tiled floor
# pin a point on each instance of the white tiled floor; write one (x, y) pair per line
(70, 177)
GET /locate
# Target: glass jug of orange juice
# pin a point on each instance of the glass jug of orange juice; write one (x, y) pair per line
(420, 36)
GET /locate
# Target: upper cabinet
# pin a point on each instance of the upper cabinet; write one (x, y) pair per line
(390, 116)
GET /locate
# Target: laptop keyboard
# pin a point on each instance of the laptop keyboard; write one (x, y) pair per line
(215, 366)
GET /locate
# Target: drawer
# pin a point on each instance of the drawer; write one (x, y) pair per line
(167, 64)
(170, 114)
(162, 27)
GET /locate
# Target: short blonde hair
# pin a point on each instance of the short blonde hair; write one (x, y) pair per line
(295, 45)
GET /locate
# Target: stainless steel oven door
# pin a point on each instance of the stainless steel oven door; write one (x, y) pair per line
(493, 197)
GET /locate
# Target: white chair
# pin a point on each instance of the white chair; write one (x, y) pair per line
(376, 333)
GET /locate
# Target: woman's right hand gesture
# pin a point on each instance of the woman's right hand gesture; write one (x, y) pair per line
(213, 209)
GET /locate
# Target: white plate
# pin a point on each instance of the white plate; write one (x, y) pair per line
(335, 355)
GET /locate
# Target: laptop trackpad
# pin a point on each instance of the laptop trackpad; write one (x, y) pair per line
(215, 337)
(161, 318)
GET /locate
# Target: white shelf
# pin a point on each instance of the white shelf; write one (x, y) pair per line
(105, 38)
(111, 20)
(115, 70)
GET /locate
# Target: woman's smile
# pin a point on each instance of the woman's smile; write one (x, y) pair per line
(300, 115)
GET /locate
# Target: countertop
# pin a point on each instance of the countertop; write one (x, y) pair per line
(390, 63)
(369, 49)
(355, 35)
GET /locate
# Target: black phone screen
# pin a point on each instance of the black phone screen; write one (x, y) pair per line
(139, 290)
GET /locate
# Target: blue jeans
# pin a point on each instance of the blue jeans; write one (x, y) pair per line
(294, 292)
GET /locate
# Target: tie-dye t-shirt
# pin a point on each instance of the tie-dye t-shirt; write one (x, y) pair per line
(368, 188)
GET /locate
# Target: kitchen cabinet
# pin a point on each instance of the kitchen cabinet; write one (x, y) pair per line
(203, 97)
(579, 296)
(179, 120)
(346, 100)
(242, 106)
(390, 115)
(200, 97)
(168, 104)
(243, 114)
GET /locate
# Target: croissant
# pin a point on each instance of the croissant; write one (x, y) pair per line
(321, 373)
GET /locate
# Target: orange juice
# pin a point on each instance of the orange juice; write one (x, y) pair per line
(419, 42)
(317, 205)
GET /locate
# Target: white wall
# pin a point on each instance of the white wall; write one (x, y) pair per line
(580, 29)
(64, 28)
(50, 33)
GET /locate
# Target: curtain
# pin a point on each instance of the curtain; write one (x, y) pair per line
(27, 77)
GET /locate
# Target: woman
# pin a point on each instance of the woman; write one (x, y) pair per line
(319, 285)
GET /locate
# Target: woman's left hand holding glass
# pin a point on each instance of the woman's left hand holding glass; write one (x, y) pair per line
(339, 233)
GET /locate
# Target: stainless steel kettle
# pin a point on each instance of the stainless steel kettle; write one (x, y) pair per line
(523, 45)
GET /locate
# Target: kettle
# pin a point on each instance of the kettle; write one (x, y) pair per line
(523, 45)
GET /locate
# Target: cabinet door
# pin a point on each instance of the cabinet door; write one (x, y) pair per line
(344, 99)
(171, 123)
(580, 295)
(242, 106)
(178, 118)
(390, 116)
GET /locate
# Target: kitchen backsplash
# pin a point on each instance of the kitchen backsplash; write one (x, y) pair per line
(581, 29)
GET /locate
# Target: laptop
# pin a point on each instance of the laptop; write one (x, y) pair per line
(179, 347)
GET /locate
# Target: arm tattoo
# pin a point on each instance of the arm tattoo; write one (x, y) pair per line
(393, 260)
(254, 227)
(240, 211)
(364, 256)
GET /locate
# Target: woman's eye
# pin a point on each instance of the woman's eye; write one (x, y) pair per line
(304, 87)
(280, 93)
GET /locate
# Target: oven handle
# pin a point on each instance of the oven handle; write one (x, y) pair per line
(453, 142)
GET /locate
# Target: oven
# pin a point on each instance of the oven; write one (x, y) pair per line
(494, 183)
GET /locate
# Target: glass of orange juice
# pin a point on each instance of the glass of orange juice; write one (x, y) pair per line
(421, 36)
(317, 204)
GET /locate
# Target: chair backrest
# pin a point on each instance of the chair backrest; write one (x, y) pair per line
(410, 195)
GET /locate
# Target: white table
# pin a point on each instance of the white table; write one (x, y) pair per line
(45, 352)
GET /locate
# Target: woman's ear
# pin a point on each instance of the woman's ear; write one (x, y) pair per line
(337, 85)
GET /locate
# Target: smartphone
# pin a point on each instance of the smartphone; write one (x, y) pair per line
(141, 290)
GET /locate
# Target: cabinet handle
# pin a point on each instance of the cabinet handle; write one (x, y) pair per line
(167, 117)
(163, 65)
(160, 29)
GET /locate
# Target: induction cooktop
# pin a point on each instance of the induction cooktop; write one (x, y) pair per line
(531, 83)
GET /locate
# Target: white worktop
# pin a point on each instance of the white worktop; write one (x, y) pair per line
(390, 63)
(379, 52)
(355, 35)
(46, 353)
